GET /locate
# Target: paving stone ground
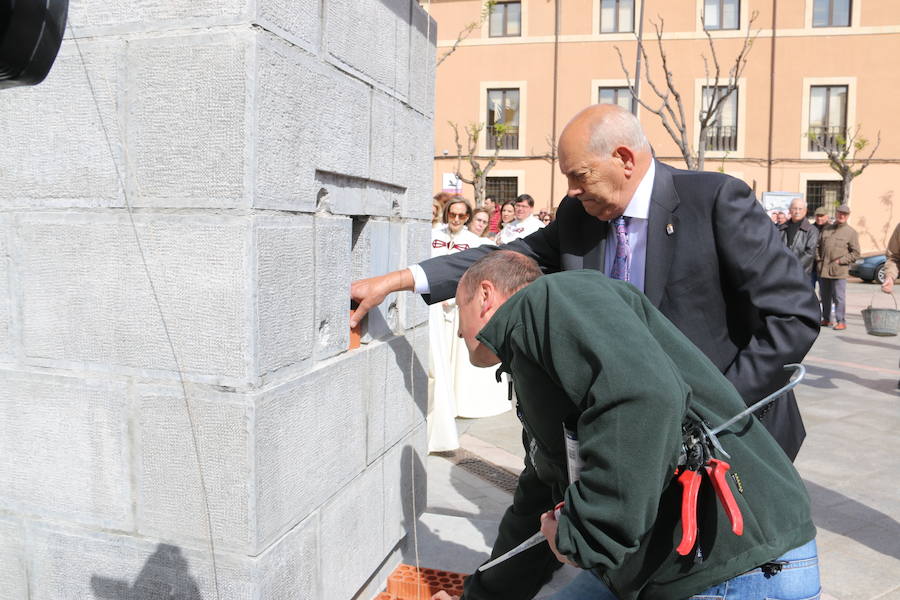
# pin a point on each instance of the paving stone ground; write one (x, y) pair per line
(850, 463)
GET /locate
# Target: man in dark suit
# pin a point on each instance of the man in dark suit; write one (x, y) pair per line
(699, 246)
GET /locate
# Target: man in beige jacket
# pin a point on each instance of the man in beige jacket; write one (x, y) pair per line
(838, 248)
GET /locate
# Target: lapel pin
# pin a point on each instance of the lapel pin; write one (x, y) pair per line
(669, 229)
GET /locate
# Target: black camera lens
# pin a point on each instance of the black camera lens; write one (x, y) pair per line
(31, 32)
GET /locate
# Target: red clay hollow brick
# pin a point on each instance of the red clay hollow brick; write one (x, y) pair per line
(409, 583)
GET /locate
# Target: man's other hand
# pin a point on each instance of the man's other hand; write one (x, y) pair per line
(442, 595)
(549, 525)
(371, 292)
(888, 286)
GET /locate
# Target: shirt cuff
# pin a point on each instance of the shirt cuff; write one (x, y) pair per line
(420, 280)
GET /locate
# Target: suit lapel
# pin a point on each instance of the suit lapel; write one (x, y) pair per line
(662, 227)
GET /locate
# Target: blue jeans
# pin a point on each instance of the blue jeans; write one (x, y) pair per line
(798, 580)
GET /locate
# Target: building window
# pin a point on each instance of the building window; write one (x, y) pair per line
(722, 133)
(721, 14)
(502, 189)
(503, 109)
(506, 19)
(827, 116)
(615, 95)
(827, 194)
(616, 16)
(831, 13)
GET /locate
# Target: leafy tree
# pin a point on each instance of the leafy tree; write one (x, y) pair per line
(841, 150)
(479, 172)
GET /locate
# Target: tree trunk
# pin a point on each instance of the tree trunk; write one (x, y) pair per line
(845, 192)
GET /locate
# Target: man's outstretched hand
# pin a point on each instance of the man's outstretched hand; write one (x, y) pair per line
(371, 292)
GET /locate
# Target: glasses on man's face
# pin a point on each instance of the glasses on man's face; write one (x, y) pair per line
(456, 217)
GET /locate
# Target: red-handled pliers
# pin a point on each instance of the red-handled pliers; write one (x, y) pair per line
(690, 480)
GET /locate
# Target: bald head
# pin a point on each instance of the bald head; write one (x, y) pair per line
(604, 155)
(602, 127)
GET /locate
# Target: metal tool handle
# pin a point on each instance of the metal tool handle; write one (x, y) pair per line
(796, 377)
(532, 541)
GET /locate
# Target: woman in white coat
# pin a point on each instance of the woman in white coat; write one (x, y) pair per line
(460, 389)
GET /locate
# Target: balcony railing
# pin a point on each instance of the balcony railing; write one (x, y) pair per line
(507, 141)
(722, 138)
(821, 137)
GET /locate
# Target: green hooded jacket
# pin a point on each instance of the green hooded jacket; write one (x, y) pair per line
(586, 349)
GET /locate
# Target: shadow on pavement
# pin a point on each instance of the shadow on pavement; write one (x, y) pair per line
(871, 341)
(825, 379)
(830, 510)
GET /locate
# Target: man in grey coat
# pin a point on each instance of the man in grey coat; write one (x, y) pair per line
(799, 235)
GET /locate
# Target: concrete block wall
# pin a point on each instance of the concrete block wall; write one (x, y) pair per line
(272, 152)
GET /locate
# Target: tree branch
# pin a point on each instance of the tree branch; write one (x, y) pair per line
(467, 30)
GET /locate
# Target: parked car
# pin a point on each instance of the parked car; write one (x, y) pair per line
(869, 268)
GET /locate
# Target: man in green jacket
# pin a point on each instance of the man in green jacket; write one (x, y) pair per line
(838, 248)
(595, 354)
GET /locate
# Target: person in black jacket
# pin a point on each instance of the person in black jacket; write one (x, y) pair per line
(800, 236)
(703, 251)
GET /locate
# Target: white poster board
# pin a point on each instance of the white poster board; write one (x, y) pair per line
(778, 201)
(451, 184)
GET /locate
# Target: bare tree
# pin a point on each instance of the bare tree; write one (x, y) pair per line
(670, 107)
(840, 150)
(478, 178)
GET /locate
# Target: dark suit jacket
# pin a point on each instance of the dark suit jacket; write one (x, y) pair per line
(722, 276)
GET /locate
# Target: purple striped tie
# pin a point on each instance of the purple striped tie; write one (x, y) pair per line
(621, 267)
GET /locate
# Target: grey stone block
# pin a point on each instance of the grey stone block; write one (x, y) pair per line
(418, 339)
(93, 17)
(310, 441)
(332, 283)
(377, 414)
(54, 151)
(73, 565)
(405, 486)
(400, 407)
(413, 161)
(383, 57)
(187, 120)
(340, 109)
(65, 449)
(353, 520)
(291, 568)
(298, 21)
(13, 575)
(384, 121)
(170, 494)
(6, 291)
(285, 267)
(341, 195)
(422, 55)
(87, 300)
(287, 125)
